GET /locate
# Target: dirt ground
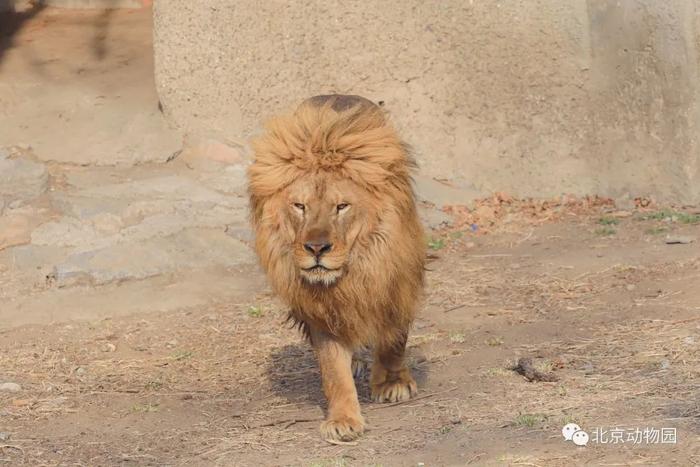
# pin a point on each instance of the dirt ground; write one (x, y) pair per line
(602, 302)
(192, 364)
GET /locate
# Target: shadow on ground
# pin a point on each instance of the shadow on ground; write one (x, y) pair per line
(294, 375)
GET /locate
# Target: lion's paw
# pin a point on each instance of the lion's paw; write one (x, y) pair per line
(401, 389)
(342, 428)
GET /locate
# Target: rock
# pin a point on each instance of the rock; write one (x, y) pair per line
(108, 347)
(140, 259)
(89, 208)
(15, 229)
(10, 387)
(4, 436)
(168, 187)
(32, 258)
(21, 179)
(201, 152)
(679, 239)
(80, 371)
(440, 194)
(242, 233)
(104, 215)
(690, 340)
(107, 223)
(137, 211)
(67, 231)
(231, 180)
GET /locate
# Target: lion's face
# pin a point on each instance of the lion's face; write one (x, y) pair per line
(324, 217)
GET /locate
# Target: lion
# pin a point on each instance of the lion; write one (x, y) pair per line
(338, 235)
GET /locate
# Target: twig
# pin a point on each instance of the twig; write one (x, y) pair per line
(123, 391)
(342, 443)
(457, 307)
(425, 396)
(289, 422)
(525, 368)
(496, 255)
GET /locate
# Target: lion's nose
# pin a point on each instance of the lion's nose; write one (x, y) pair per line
(318, 249)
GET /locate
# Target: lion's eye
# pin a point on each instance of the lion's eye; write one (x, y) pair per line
(342, 207)
(299, 206)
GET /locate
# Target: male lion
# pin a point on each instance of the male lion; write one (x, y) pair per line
(338, 235)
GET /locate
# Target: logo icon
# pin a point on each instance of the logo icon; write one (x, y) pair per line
(580, 438)
(573, 432)
(569, 430)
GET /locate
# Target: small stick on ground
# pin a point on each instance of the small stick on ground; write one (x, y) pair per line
(287, 421)
(342, 443)
(425, 396)
(525, 368)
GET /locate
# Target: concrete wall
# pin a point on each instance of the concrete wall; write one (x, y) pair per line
(538, 97)
(24, 5)
(96, 4)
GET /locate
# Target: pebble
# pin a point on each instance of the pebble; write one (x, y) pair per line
(4, 436)
(665, 364)
(108, 347)
(80, 371)
(689, 340)
(631, 287)
(10, 387)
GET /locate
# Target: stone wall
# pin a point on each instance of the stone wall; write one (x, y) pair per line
(536, 98)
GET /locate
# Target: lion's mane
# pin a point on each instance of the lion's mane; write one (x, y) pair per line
(376, 300)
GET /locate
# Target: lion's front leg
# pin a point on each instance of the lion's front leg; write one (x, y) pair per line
(391, 380)
(344, 421)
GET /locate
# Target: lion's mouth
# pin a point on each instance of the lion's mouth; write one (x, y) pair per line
(321, 275)
(318, 268)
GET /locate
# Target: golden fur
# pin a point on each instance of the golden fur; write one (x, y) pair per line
(334, 173)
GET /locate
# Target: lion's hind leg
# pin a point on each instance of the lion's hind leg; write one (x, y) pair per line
(391, 380)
